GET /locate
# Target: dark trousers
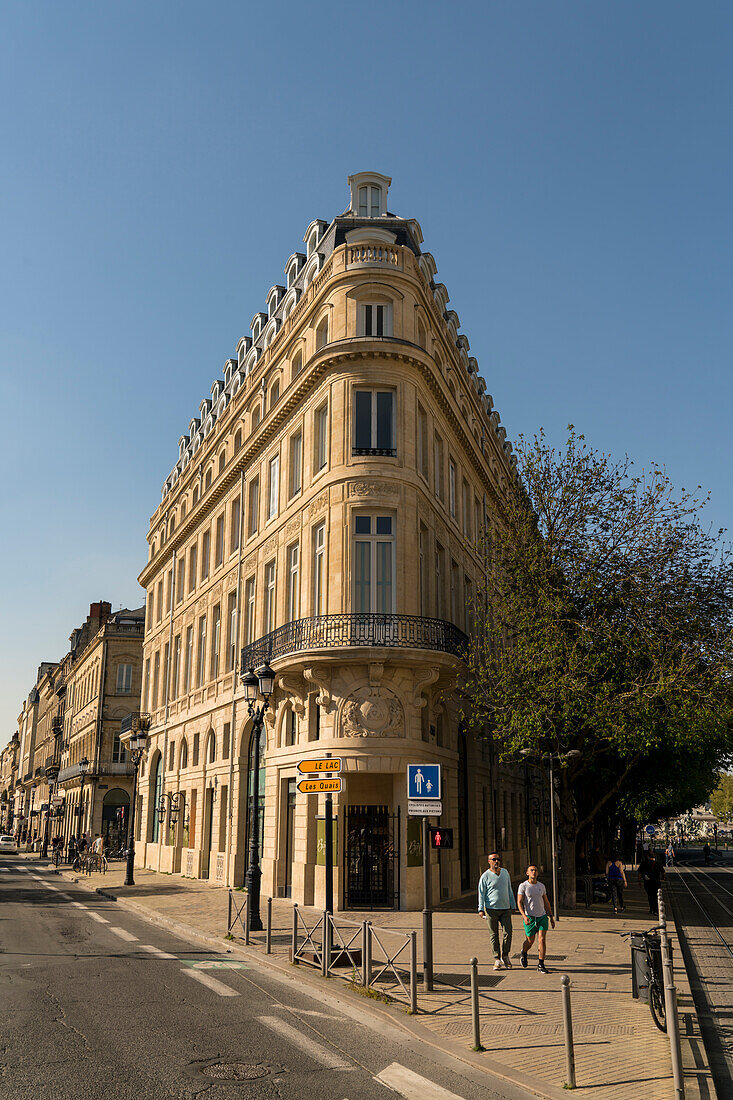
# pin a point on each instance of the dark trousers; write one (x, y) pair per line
(617, 893)
(651, 893)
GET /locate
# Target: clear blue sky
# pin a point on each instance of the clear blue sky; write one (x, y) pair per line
(570, 164)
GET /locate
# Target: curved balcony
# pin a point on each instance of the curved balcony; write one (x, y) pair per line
(345, 631)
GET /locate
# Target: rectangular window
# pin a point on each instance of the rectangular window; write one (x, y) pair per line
(440, 581)
(180, 578)
(439, 468)
(466, 509)
(250, 593)
(273, 486)
(254, 506)
(159, 616)
(205, 554)
(215, 640)
(452, 487)
(374, 422)
(319, 569)
(423, 548)
(422, 441)
(321, 437)
(156, 679)
(291, 728)
(176, 666)
(220, 540)
(189, 659)
(373, 565)
(200, 664)
(234, 523)
(375, 319)
(192, 568)
(232, 631)
(146, 685)
(293, 569)
(269, 624)
(296, 463)
(124, 679)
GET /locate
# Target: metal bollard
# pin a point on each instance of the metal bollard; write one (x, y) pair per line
(568, 1021)
(427, 949)
(413, 973)
(268, 929)
(670, 1004)
(294, 944)
(229, 913)
(369, 954)
(324, 945)
(246, 919)
(474, 1006)
(364, 937)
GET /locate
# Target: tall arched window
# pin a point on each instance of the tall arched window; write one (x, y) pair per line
(211, 751)
(238, 440)
(184, 755)
(156, 789)
(322, 334)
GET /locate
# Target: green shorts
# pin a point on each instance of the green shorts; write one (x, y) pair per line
(536, 924)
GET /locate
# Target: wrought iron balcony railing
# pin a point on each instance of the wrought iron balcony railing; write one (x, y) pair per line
(344, 631)
(105, 767)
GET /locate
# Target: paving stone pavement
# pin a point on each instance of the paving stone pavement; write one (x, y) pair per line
(619, 1054)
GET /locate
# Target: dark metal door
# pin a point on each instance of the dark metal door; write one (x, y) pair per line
(372, 857)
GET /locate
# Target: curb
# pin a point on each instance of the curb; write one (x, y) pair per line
(296, 975)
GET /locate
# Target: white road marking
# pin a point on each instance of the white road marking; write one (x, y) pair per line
(50, 887)
(310, 1046)
(210, 983)
(96, 917)
(67, 896)
(312, 1012)
(78, 905)
(411, 1085)
(156, 951)
(124, 934)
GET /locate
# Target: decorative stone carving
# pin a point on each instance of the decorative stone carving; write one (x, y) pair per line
(250, 561)
(421, 683)
(292, 687)
(376, 671)
(372, 488)
(372, 712)
(293, 527)
(321, 677)
(318, 504)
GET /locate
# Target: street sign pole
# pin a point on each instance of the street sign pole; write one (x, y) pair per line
(427, 913)
(329, 851)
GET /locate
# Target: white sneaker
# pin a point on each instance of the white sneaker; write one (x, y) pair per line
(507, 962)
(498, 964)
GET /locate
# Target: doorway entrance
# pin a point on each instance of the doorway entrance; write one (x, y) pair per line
(208, 831)
(289, 837)
(372, 854)
(115, 815)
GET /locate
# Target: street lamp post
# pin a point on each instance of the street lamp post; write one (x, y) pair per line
(263, 682)
(52, 772)
(573, 754)
(136, 747)
(83, 768)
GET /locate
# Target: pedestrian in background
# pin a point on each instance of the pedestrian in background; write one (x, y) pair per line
(495, 903)
(617, 882)
(534, 905)
(651, 875)
(670, 855)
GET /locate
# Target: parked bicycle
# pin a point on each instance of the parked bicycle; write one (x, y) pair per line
(647, 971)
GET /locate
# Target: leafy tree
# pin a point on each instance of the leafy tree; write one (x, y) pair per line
(603, 629)
(721, 800)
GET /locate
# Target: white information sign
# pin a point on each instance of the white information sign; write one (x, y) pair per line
(425, 808)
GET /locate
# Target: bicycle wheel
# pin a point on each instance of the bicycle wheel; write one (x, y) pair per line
(656, 1005)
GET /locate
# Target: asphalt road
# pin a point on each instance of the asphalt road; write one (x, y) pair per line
(97, 1002)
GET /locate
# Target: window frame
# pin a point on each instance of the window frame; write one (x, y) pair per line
(373, 449)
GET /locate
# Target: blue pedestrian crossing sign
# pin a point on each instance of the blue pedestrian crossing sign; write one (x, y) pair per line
(423, 781)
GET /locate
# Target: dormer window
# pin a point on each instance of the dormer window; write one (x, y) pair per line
(370, 202)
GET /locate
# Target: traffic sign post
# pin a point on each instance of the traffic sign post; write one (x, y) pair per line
(324, 764)
(424, 809)
(423, 782)
(423, 800)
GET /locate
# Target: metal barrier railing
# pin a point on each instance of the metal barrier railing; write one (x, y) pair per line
(328, 946)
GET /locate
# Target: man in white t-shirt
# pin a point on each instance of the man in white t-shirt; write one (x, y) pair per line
(534, 905)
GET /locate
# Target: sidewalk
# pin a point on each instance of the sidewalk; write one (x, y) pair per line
(619, 1054)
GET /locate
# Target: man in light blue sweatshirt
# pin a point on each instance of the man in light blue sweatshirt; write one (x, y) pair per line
(495, 903)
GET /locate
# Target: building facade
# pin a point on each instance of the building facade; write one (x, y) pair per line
(323, 514)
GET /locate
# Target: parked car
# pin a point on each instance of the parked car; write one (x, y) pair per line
(8, 845)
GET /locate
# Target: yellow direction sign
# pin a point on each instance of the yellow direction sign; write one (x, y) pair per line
(326, 764)
(320, 786)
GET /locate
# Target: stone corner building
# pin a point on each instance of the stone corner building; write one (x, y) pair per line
(321, 514)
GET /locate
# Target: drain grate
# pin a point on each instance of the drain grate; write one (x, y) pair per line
(235, 1071)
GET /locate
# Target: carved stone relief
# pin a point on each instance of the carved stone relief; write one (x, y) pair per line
(372, 488)
(318, 504)
(372, 712)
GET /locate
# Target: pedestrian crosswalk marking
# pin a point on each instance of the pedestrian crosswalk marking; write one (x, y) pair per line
(156, 951)
(319, 1053)
(214, 964)
(210, 983)
(124, 934)
(410, 1085)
